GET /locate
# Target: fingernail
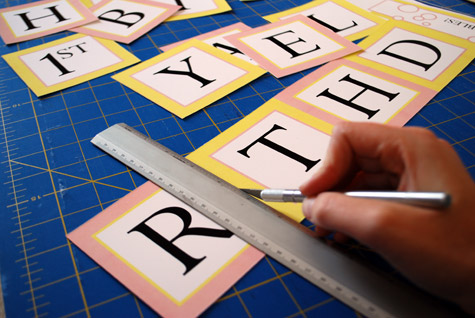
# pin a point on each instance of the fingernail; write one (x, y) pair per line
(307, 207)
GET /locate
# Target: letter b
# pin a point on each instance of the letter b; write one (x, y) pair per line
(122, 14)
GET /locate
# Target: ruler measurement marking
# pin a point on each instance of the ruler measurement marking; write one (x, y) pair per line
(327, 268)
(243, 231)
(229, 207)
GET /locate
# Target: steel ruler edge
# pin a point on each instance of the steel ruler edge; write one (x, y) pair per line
(371, 293)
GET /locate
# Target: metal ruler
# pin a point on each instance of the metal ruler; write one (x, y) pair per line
(367, 291)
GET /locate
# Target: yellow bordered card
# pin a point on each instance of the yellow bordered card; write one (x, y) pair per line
(276, 146)
(189, 77)
(67, 62)
(426, 57)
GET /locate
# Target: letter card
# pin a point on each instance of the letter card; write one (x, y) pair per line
(189, 77)
(66, 62)
(171, 256)
(292, 45)
(194, 9)
(418, 54)
(345, 90)
(340, 16)
(37, 19)
(452, 23)
(217, 39)
(276, 146)
(126, 20)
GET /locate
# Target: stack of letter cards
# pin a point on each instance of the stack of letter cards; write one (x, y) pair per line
(169, 255)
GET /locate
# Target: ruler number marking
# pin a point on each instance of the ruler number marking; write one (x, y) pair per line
(284, 251)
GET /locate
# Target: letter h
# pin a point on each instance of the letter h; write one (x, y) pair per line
(29, 21)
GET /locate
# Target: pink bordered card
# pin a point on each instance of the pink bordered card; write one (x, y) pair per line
(292, 45)
(67, 62)
(37, 19)
(166, 253)
(217, 39)
(126, 20)
(194, 9)
(340, 16)
(345, 90)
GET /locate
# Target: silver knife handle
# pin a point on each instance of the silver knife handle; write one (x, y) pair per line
(282, 195)
(423, 199)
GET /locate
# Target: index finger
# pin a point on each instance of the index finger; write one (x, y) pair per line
(373, 148)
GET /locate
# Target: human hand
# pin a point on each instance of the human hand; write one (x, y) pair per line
(433, 248)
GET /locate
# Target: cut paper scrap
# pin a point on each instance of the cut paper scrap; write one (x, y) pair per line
(217, 39)
(417, 54)
(126, 20)
(340, 16)
(292, 45)
(345, 90)
(276, 146)
(67, 62)
(169, 255)
(452, 23)
(189, 77)
(194, 9)
(37, 19)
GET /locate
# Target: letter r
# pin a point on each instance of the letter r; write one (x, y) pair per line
(168, 245)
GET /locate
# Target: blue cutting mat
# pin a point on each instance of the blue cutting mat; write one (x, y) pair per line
(52, 179)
